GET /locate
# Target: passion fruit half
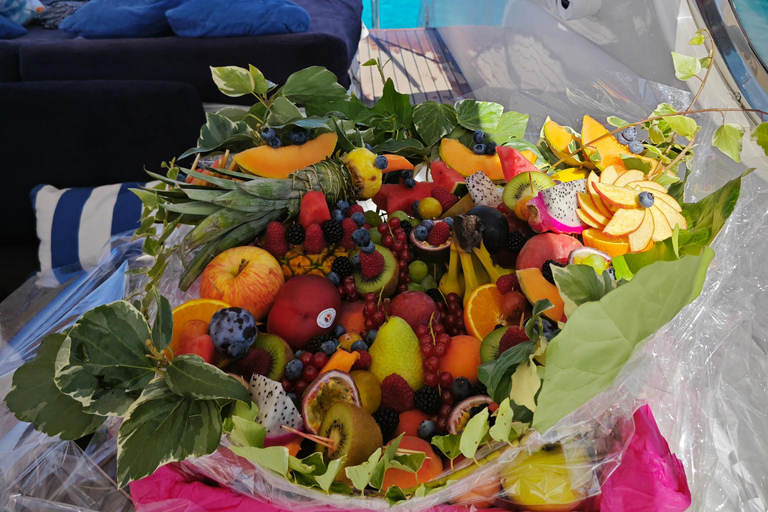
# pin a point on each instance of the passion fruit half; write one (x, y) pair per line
(461, 414)
(428, 253)
(329, 388)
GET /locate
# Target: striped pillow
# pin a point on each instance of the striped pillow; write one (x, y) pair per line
(74, 224)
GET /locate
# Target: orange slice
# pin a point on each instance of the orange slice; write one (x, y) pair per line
(615, 246)
(482, 312)
(198, 309)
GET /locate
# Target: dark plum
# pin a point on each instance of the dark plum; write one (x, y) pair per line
(495, 227)
(233, 331)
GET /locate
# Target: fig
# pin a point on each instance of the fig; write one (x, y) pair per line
(495, 227)
(327, 389)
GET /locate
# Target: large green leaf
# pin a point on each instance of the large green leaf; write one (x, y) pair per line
(274, 458)
(162, 327)
(433, 121)
(103, 361)
(596, 342)
(314, 84)
(496, 374)
(162, 427)
(233, 81)
(760, 136)
(220, 132)
(478, 115)
(35, 398)
(396, 104)
(578, 284)
(189, 375)
(686, 67)
(282, 112)
(727, 139)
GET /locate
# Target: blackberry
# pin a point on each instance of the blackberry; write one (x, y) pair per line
(546, 270)
(342, 266)
(332, 231)
(295, 234)
(407, 227)
(427, 400)
(315, 343)
(480, 389)
(436, 295)
(516, 241)
(388, 420)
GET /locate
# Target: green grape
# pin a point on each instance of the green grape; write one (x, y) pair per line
(596, 262)
(428, 282)
(417, 271)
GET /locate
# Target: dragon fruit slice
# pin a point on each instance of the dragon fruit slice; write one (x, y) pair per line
(275, 409)
(482, 190)
(554, 209)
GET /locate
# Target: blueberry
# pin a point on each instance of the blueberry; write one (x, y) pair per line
(359, 345)
(342, 205)
(461, 388)
(337, 215)
(415, 208)
(405, 174)
(298, 353)
(622, 140)
(478, 136)
(368, 147)
(479, 149)
(490, 148)
(361, 237)
(427, 224)
(230, 328)
(381, 162)
(298, 136)
(636, 147)
(420, 233)
(371, 336)
(355, 259)
(448, 221)
(338, 330)
(275, 142)
(368, 249)
(293, 369)
(646, 199)
(267, 134)
(409, 183)
(359, 218)
(329, 347)
(426, 430)
(630, 133)
(333, 277)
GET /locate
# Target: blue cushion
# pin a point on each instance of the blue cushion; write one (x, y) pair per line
(10, 29)
(232, 18)
(75, 224)
(120, 18)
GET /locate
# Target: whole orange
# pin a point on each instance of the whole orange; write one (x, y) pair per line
(462, 358)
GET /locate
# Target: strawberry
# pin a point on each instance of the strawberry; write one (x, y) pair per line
(439, 234)
(514, 336)
(314, 242)
(508, 283)
(396, 393)
(372, 264)
(349, 227)
(274, 240)
(445, 197)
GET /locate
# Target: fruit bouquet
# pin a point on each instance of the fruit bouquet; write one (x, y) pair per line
(407, 306)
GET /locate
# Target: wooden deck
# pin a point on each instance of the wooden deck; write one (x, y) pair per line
(419, 63)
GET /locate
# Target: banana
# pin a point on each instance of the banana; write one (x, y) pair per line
(494, 271)
(452, 281)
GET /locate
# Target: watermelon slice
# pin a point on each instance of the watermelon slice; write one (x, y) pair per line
(513, 162)
(314, 209)
(393, 197)
(448, 178)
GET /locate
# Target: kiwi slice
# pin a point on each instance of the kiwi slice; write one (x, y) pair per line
(354, 433)
(525, 184)
(385, 283)
(279, 354)
(489, 348)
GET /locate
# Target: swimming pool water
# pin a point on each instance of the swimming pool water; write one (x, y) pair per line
(393, 13)
(754, 17)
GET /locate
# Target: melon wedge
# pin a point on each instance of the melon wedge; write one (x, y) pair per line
(462, 159)
(280, 162)
(604, 152)
(536, 288)
(559, 138)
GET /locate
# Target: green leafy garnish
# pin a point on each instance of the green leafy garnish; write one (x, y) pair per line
(475, 433)
(433, 121)
(727, 139)
(686, 67)
(478, 115)
(578, 284)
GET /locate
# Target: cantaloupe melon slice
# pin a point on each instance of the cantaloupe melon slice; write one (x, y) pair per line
(280, 162)
(536, 288)
(462, 159)
(607, 151)
(559, 138)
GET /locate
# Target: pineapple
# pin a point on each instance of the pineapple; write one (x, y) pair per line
(297, 263)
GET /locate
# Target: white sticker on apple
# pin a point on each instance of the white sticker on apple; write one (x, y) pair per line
(326, 317)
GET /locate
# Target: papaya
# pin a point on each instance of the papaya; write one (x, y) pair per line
(280, 162)
(462, 159)
(397, 163)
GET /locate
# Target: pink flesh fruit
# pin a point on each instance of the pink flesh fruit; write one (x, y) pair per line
(546, 246)
(275, 410)
(554, 209)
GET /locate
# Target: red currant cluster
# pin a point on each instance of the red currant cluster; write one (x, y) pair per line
(313, 363)
(394, 238)
(452, 314)
(348, 289)
(375, 312)
(434, 343)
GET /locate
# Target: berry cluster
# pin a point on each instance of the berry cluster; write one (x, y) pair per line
(375, 313)
(481, 147)
(452, 314)
(434, 343)
(394, 238)
(348, 289)
(299, 373)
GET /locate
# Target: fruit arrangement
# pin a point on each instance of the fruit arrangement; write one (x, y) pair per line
(392, 347)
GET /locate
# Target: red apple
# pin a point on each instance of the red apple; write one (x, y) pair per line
(245, 277)
(305, 307)
(414, 307)
(199, 345)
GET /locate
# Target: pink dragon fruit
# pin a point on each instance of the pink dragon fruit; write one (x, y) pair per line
(275, 409)
(554, 209)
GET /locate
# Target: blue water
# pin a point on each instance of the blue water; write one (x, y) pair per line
(393, 13)
(754, 17)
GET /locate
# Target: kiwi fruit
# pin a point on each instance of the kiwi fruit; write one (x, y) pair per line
(385, 283)
(525, 184)
(489, 348)
(279, 353)
(354, 433)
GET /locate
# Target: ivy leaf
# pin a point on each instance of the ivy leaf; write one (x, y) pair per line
(448, 445)
(220, 132)
(632, 162)
(35, 398)
(162, 427)
(525, 384)
(390, 452)
(103, 361)
(162, 328)
(190, 376)
(361, 474)
(410, 463)
(697, 40)
(497, 373)
(760, 136)
(314, 84)
(282, 112)
(233, 81)
(727, 139)
(395, 495)
(395, 104)
(617, 121)
(433, 121)
(260, 84)
(326, 479)
(511, 125)
(578, 284)
(475, 431)
(396, 146)
(663, 109)
(247, 432)
(705, 62)
(478, 115)
(686, 67)
(309, 465)
(683, 125)
(531, 325)
(503, 429)
(273, 458)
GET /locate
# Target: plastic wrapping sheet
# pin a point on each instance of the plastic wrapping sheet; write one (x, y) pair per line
(705, 375)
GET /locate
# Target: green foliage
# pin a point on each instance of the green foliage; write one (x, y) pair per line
(433, 121)
(234, 81)
(475, 433)
(313, 85)
(686, 67)
(617, 121)
(496, 374)
(479, 115)
(449, 445)
(579, 284)
(683, 125)
(760, 136)
(727, 139)
(189, 376)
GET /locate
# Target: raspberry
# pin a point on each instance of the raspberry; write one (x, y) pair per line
(294, 234)
(445, 197)
(516, 241)
(314, 242)
(514, 336)
(396, 393)
(388, 419)
(332, 231)
(354, 208)
(364, 362)
(436, 295)
(348, 226)
(342, 266)
(274, 240)
(315, 343)
(372, 264)
(439, 234)
(546, 270)
(427, 400)
(508, 283)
